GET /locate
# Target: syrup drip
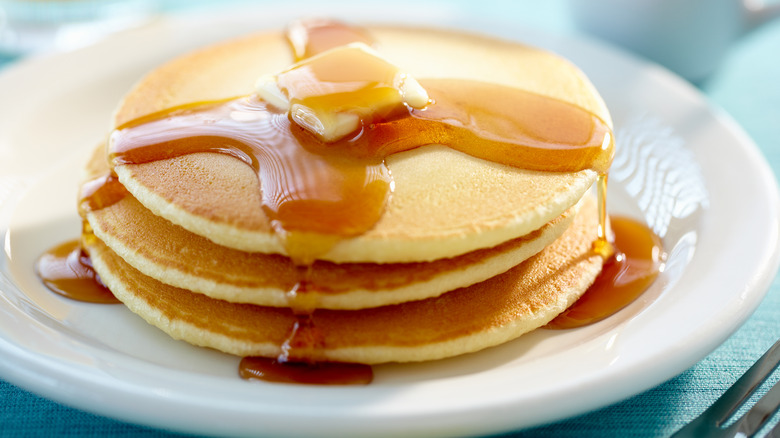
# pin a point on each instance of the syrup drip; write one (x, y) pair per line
(303, 341)
(320, 373)
(100, 192)
(602, 246)
(637, 260)
(302, 298)
(67, 270)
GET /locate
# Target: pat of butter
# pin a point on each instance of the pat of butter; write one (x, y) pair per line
(333, 93)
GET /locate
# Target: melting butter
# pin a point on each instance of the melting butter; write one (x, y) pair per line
(334, 93)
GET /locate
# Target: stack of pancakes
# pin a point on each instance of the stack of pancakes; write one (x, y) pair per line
(467, 254)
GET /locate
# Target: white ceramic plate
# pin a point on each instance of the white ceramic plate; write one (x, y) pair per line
(683, 167)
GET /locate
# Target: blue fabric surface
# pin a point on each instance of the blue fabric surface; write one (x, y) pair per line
(747, 87)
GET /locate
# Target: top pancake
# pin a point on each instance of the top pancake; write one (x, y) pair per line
(444, 203)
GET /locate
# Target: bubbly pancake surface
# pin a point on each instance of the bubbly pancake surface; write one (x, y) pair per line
(460, 321)
(444, 202)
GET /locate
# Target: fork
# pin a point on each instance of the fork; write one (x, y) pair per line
(711, 423)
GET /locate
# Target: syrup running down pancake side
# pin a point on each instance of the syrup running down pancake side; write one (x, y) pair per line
(316, 192)
(638, 259)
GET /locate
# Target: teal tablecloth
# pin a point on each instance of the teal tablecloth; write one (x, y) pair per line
(747, 86)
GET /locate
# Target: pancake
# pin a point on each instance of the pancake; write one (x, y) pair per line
(461, 321)
(444, 203)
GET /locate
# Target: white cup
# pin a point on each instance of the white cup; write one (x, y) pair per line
(687, 36)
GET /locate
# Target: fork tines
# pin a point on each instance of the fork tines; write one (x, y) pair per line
(712, 422)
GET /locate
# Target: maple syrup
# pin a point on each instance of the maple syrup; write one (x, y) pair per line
(100, 192)
(319, 373)
(637, 260)
(67, 270)
(304, 340)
